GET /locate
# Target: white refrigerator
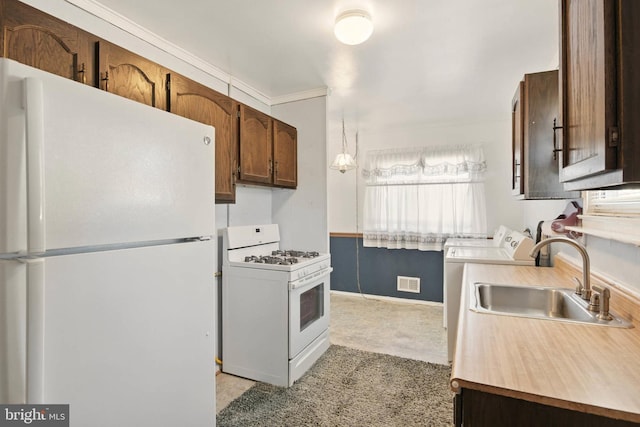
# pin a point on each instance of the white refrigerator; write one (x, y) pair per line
(107, 255)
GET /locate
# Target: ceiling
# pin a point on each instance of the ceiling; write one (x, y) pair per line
(427, 61)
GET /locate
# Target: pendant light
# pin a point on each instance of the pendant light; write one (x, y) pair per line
(344, 161)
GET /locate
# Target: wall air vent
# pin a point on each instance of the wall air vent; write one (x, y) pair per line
(409, 284)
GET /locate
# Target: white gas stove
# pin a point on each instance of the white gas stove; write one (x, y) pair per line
(258, 246)
(275, 306)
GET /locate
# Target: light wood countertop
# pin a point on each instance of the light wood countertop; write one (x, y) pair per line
(587, 368)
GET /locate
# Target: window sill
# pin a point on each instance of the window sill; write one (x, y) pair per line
(621, 229)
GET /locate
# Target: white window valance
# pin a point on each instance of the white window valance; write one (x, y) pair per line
(426, 165)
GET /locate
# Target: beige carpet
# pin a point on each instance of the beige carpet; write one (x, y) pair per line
(349, 387)
(403, 329)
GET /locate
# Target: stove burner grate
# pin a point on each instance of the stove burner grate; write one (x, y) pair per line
(296, 254)
(266, 259)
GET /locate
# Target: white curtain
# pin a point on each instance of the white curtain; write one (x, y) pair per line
(417, 198)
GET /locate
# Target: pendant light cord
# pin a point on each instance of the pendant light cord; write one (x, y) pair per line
(344, 139)
(357, 223)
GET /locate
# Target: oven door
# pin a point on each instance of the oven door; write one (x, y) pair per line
(308, 309)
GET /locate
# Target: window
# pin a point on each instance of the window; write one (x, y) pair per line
(612, 214)
(613, 202)
(417, 198)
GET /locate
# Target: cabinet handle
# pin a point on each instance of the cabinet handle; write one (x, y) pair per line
(555, 150)
(275, 171)
(82, 71)
(270, 166)
(105, 79)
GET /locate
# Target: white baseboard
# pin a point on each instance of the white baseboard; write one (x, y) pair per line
(390, 299)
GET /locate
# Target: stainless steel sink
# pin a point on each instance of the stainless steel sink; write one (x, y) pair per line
(540, 302)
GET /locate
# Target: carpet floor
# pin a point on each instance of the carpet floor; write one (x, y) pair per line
(349, 387)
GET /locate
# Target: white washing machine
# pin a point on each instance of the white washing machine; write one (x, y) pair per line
(514, 251)
(497, 241)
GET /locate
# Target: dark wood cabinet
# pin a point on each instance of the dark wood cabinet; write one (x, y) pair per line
(124, 73)
(285, 155)
(268, 150)
(482, 409)
(535, 157)
(599, 86)
(39, 40)
(256, 146)
(197, 102)
(251, 147)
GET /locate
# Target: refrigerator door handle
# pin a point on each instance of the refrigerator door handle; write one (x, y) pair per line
(35, 330)
(34, 117)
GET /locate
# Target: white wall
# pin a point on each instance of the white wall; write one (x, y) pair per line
(619, 261)
(302, 213)
(253, 206)
(494, 135)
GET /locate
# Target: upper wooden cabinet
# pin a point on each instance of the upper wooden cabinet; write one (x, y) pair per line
(39, 40)
(124, 73)
(256, 146)
(599, 87)
(194, 101)
(534, 112)
(285, 155)
(268, 150)
(250, 145)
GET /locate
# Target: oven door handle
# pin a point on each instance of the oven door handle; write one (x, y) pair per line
(296, 284)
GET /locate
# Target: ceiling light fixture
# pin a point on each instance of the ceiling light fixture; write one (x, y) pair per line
(353, 27)
(344, 161)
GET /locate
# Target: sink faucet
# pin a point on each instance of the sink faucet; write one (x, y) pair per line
(584, 290)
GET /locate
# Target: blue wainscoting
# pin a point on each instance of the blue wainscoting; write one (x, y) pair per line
(379, 269)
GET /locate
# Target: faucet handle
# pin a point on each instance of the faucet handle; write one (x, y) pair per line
(579, 287)
(605, 294)
(594, 302)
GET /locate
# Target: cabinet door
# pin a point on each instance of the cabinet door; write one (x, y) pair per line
(517, 141)
(39, 40)
(483, 409)
(541, 166)
(194, 101)
(588, 88)
(126, 74)
(285, 155)
(256, 146)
